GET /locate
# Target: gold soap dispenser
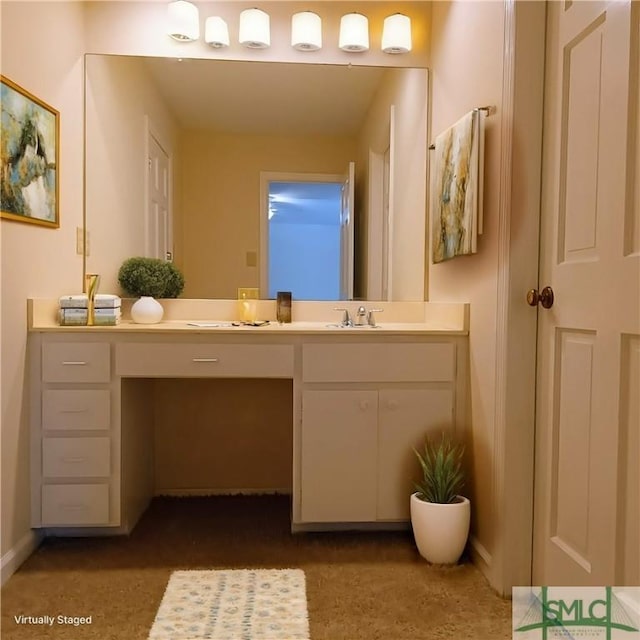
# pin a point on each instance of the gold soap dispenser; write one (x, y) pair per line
(91, 282)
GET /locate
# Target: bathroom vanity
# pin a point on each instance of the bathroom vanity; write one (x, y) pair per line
(362, 398)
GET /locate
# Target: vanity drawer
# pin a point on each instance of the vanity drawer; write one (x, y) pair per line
(76, 362)
(76, 409)
(76, 457)
(201, 360)
(75, 504)
(406, 362)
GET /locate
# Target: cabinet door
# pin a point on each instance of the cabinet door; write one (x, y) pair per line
(406, 417)
(339, 448)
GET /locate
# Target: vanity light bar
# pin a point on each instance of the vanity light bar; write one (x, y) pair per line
(306, 30)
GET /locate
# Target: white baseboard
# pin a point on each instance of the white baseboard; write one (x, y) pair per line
(11, 560)
(480, 556)
(220, 492)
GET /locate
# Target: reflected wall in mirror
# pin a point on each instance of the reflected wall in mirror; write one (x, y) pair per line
(175, 151)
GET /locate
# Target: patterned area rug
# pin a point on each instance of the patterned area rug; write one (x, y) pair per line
(244, 604)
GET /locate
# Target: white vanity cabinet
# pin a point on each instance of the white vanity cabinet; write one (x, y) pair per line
(364, 407)
(361, 402)
(74, 461)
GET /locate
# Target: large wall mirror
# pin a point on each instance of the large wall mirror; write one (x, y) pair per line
(177, 152)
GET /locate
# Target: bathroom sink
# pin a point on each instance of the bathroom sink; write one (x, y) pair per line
(337, 325)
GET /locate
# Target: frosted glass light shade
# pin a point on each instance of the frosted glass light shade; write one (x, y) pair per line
(396, 34)
(306, 31)
(216, 32)
(354, 32)
(254, 29)
(183, 21)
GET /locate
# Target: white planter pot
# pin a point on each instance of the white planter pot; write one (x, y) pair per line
(146, 310)
(440, 530)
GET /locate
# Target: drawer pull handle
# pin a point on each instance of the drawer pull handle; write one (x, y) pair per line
(74, 507)
(74, 410)
(364, 405)
(205, 359)
(74, 363)
(73, 460)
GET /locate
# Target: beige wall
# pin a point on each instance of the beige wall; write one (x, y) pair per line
(404, 90)
(42, 47)
(218, 214)
(467, 67)
(223, 435)
(120, 101)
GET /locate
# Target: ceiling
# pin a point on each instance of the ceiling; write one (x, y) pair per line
(266, 97)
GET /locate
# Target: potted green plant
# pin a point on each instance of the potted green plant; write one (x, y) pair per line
(440, 516)
(148, 279)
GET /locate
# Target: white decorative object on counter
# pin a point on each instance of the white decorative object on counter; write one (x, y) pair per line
(146, 310)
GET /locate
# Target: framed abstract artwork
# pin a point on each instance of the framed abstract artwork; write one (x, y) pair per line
(458, 189)
(29, 157)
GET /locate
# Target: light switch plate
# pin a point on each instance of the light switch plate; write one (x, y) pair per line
(252, 259)
(80, 241)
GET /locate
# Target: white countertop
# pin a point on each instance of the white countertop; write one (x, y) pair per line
(186, 316)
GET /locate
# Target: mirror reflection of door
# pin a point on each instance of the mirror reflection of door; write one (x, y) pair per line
(158, 223)
(347, 233)
(386, 225)
(307, 244)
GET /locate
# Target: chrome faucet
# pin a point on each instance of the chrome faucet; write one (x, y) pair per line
(346, 319)
(371, 319)
(361, 316)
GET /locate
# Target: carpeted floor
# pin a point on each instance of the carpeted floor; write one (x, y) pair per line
(360, 586)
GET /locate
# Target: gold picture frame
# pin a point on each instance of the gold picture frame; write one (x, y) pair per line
(29, 157)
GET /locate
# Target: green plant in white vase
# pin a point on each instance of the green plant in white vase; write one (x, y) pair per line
(148, 279)
(440, 516)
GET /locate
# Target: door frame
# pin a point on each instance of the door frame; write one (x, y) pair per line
(516, 323)
(279, 176)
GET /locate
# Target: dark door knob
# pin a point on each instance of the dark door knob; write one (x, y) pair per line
(544, 297)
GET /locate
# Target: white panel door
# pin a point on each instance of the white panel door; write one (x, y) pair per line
(587, 488)
(158, 211)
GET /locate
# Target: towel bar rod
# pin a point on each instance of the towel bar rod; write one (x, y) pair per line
(489, 109)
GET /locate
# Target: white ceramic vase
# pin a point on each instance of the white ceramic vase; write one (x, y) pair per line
(146, 310)
(440, 530)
